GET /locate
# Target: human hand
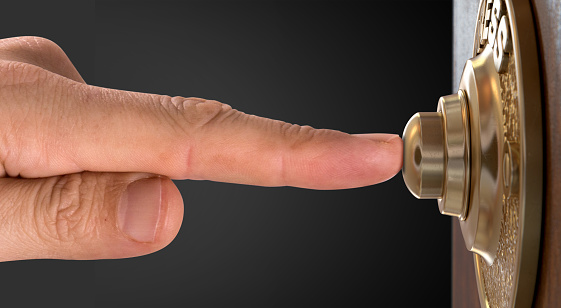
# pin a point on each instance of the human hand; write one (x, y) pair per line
(86, 170)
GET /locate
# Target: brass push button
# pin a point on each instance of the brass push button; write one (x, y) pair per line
(480, 154)
(436, 155)
(455, 155)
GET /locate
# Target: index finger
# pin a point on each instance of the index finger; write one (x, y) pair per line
(82, 127)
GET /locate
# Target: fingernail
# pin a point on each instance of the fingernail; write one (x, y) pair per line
(139, 210)
(378, 137)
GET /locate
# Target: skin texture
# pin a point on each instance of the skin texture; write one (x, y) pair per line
(68, 152)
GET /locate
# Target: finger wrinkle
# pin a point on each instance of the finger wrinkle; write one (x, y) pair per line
(195, 112)
(281, 167)
(188, 162)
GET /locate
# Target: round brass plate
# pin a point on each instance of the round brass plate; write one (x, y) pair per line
(507, 27)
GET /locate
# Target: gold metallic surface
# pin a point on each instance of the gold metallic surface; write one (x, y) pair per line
(454, 200)
(510, 280)
(481, 84)
(423, 169)
(481, 153)
(436, 155)
(456, 155)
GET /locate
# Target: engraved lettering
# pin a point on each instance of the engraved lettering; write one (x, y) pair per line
(502, 46)
(484, 24)
(494, 30)
(494, 25)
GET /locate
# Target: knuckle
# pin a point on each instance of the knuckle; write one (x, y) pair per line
(20, 73)
(296, 132)
(194, 112)
(30, 48)
(29, 97)
(39, 52)
(37, 43)
(72, 207)
(296, 135)
(41, 44)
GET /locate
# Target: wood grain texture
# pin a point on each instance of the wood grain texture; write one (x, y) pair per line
(547, 15)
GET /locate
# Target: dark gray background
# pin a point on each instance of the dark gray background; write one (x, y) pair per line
(348, 65)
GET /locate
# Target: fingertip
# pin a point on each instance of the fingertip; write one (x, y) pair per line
(382, 157)
(342, 161)
(392, 157)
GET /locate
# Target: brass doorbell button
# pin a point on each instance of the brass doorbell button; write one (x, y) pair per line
(436, 155)
(480, 154)
(454, 155)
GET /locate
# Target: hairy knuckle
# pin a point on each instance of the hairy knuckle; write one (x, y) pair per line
(71, 207)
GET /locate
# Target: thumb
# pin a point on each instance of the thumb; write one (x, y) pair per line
(87, 216)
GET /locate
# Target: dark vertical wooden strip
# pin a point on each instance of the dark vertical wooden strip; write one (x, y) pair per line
(547, 15)
(464, 287)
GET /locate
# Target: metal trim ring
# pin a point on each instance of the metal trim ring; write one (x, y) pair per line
(511, 282)
(456, 139)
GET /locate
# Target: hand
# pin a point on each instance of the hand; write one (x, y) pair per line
(86, 170)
